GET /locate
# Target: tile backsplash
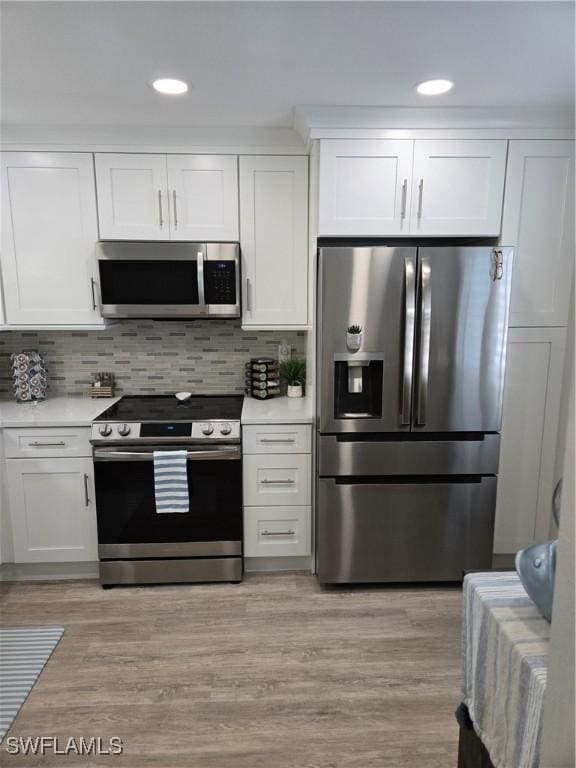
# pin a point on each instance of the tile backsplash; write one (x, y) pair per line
(148, 356)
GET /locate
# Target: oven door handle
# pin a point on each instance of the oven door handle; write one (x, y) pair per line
(223, 453)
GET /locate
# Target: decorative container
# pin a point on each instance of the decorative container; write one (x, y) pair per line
(29, 375)
(295, 390)
(354, 338)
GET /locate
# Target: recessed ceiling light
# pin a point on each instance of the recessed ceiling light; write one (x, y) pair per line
(434, 87)
(170, 86)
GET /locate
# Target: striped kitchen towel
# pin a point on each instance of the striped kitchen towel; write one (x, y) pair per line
(171, 481)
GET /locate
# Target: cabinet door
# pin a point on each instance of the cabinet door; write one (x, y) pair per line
(48, 235)
(365, 187)
(534, 368)
(203, 197)
(538, 221)
(457, 187)
(274, 240)
(132, 197)
(52, 510)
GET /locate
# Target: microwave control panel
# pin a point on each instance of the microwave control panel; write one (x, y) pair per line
(220, 282)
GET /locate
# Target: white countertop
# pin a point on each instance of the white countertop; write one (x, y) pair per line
(71, 411)
(277, 410)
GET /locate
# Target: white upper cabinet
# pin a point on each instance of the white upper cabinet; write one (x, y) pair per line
(274, 240)
(48, 235)
(429, 188)
(167, 197)
(132, 197)
(365, 187)
(203, 197)
(457, 187)
(539, 222)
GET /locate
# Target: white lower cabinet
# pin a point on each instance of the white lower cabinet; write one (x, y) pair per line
(277, 479)
(534, 370)
(276, 531)
(52, 509)
(277, 490)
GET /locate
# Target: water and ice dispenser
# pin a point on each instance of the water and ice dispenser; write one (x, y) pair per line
(358, 385)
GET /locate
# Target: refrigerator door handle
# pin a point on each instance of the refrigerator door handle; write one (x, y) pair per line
(409, 324)
(424, 346)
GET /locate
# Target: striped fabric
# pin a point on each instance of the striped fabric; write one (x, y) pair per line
(23, 654)
(171, 481)
(505, 644)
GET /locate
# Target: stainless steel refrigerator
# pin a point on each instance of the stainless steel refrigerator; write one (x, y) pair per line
(409, 410)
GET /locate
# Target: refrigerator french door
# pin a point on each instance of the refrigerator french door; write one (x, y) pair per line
(411, 363)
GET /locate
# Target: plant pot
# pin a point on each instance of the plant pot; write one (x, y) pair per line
(353, 341)
(295, 390)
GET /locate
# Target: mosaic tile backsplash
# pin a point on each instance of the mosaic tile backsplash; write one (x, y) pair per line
(148, 356)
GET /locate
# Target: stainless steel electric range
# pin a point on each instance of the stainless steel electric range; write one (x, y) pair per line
(136, 544)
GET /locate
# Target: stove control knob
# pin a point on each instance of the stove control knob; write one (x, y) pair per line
(105, 430)
(225, 429)
(207, 429)
(123, 430)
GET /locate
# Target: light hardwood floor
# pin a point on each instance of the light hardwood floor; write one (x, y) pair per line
(272, 673)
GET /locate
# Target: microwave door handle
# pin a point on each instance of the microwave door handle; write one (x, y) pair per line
(200, 277)
(409, 324)
(424, 347)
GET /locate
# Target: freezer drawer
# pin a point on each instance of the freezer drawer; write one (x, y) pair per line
(408, 531)
(353, 455)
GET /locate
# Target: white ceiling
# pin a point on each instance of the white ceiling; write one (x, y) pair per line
(251, 63)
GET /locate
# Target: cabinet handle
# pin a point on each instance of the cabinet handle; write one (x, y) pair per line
(36, 444)
(288, 481)
(274, 440)
(248, 297)
(279, 533)
(160, 212)
(92, 287)
(420, 196)
(86, 491)
(175, 209)
(404, 195)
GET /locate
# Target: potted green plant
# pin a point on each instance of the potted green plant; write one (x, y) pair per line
(354, 337)
(294, 374)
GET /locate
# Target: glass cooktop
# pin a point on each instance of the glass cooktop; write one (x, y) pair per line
(168, 408)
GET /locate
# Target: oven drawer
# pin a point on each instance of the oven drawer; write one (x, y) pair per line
(171, 571)
(276, 531)
(30, 442)
(404, 531)
(276, 438)
(283, 479)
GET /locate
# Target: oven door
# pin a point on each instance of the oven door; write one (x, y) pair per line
(130, 527)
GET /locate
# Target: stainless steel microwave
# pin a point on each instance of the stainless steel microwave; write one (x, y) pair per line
(177, 280)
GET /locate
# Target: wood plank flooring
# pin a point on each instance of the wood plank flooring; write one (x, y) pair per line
(272, 673)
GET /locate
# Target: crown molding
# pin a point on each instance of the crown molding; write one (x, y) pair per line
(319, 122)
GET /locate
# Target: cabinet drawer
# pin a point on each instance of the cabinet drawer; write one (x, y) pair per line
(277, 480)
(276, 531)
(36, 443)
(277, 438)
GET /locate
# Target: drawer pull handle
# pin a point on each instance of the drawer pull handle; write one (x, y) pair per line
(86, 491)
(274, 440)
(288, 481)
(278, 533)
(36, 444)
